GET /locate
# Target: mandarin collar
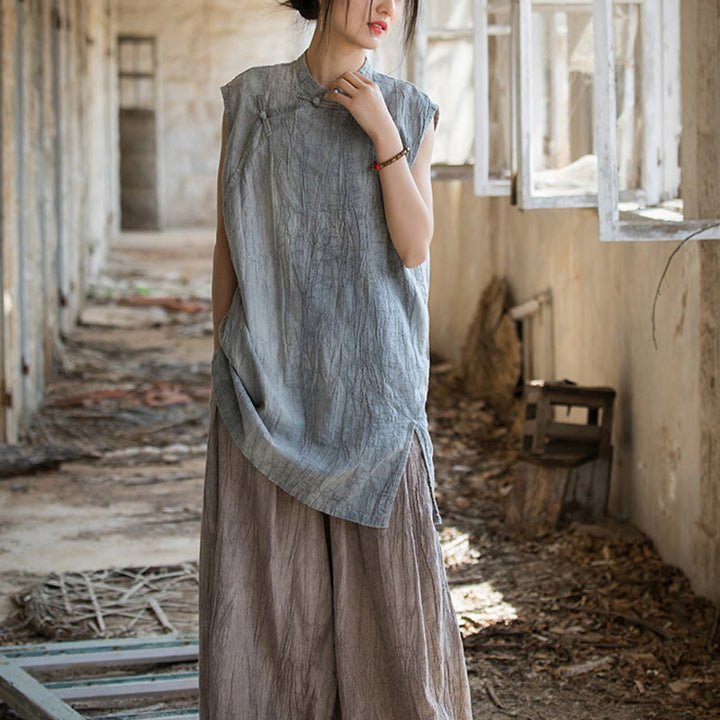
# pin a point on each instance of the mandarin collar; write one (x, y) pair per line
(311, 86)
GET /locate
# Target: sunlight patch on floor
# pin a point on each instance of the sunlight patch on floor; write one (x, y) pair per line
(477, 603)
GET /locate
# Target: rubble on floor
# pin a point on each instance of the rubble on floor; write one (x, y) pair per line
(582, 623)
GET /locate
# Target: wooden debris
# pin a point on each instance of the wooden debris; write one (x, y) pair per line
(490, 358)
(161, 616)
(99, 603)
(175, 304)
(95, 604)
(587, 666)
(582, 594)
(21, 460)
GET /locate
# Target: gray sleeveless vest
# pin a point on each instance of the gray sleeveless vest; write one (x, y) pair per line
(322, 372)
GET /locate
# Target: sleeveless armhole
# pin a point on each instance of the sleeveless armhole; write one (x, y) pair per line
(424, 112)
(228, 104)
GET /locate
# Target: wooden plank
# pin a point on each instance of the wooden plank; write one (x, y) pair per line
(586, 491)
(109, 658)
(536, 498)
(101, 644)
(589, 400)
(483, 186)
(190, 714)
(28, 698)
(573, 432)
(543, 418)
(104, 652)
(126, 686)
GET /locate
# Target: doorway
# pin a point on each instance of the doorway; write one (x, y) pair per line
(139, 200)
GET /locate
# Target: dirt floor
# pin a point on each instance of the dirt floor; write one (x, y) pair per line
(583, 623)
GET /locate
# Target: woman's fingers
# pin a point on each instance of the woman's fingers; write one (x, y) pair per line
(347, 86)
(350, 81)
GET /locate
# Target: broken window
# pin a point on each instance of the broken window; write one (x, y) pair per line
(493, 98)
(656, 214)
(443, 67)
(557, 161)
(137, 70)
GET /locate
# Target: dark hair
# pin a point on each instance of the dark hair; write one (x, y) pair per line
(310, 10)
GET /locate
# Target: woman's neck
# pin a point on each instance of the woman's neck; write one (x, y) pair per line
(327, 59)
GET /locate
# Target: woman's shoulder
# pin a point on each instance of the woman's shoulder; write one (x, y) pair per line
(259, 75)
(403, 88)
(413, 105)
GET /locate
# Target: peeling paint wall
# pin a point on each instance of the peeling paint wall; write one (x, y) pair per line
(602, 296)
(58, 202)
(200, 47)
(701, 183)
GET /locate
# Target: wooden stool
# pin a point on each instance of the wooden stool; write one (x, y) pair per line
(564, 468)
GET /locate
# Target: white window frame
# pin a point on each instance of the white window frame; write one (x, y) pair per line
(526, 199)
(418, 75)
(612, 228)
(483, 184)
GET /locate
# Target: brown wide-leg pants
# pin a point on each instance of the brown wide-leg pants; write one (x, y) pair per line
(305, 616)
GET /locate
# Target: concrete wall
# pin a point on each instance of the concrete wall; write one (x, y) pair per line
(701, 189)
(602, 297)
(58, 196)
(200, 47)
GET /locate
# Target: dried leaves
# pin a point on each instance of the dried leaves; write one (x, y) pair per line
(585, 622)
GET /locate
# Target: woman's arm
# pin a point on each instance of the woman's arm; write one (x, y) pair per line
(224, 280)
(407, 195)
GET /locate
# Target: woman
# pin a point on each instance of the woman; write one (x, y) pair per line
(322, 589)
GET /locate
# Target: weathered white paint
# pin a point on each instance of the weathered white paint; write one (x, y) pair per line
(611, 227)
(57, 155)
(527, 198)
(484, 185)
(10, 387)
(701, 192)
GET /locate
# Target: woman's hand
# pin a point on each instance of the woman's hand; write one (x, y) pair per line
(363, 99)
(407, 194)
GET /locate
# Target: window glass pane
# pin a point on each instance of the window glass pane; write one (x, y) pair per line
(126, 59)
(145, 93)
(450, 84)
(499, 97)
(628, 83)
(137, 70)
(144, 57)
(563, 161)
(127, 93)
(450, 14)
(562, 99)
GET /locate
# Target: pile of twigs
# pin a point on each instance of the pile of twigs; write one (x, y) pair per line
(113, 602)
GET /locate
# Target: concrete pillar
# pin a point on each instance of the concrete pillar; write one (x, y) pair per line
(58, 187)
(701, 194)
(10, 383)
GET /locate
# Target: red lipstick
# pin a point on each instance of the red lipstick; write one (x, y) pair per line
(378, 27)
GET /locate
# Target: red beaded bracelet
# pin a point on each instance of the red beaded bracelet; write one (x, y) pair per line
(377, 165)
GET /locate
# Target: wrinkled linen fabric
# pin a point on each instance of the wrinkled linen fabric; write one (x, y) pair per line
(322, 372)
(305, 616)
